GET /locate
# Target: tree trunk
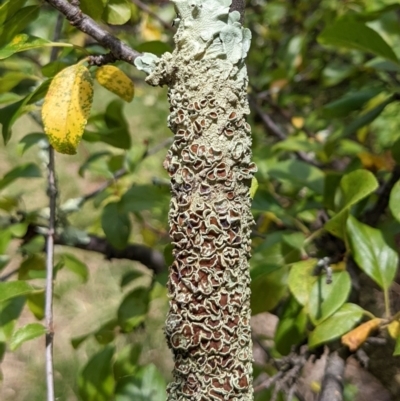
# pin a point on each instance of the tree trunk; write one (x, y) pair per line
(208, 325)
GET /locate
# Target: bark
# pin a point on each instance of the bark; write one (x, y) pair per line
(332, 384)
(208, 325)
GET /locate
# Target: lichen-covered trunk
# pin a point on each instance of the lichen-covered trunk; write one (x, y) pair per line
(208, 325)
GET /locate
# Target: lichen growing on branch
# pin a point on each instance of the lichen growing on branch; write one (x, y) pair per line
(208, 326)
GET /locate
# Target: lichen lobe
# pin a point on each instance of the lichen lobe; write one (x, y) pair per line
(210, 221)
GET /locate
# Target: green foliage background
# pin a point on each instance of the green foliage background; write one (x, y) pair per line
(324, 91)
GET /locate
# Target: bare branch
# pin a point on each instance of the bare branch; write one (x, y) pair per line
(84, 23)
(332, 383)
(52, 193)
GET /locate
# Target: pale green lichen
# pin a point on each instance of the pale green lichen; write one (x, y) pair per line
(208, 326)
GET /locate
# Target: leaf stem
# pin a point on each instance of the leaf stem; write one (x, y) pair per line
(387, 302)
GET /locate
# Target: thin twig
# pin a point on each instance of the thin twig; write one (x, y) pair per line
(52, 193)
(148, 10)
(84, 23)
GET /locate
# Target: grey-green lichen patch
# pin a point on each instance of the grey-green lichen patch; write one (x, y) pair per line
(208, 326)
(146, 62)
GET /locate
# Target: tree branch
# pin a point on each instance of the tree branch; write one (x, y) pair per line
(52, 194)
(149, 257)
(84, 23)
(332, 383)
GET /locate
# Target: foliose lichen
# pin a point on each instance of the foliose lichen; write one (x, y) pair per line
(209, 162)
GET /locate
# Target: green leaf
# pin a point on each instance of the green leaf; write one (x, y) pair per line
(12, 289)
(325, 299)
(394, 201)
(116, 225)
(144, 197)
(128, 277)
(155, 47)
(73, 264)
(26, 333)
(299, 173)
(338, 324)
(96, 382)
(372, 253)
(267, 290)
(352, 34)
(127, 361)
(30, 140)
(354, 187)
(35, 303)
(301, 280)
(34, 266)
(10, 310)
(92, 8)
(146, 385)
(367, 118)
(28, 170)
(106, 333)
(51, 69)
(133, 309)
(9, 8)
(17, 23)
(11, 79)
(291, 328)
(397, 347)
(117, 12)
(20, 43)
(348, 103)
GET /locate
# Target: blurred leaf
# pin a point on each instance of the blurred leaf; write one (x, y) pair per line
(116, 225)
(73, 264)
(145, 385)
(67, 107)
(18, 230)
(371, 252)
(133, 309)
(356, 337)
(291, 329)
(126, 361)
(348, 103)
(30, 140)
(117, 12)
(394, 202)
(51, 69)
(4, 261)
(155, 47)
(11, 79)
(33, 246)
(325, 299)
(26, 333)
(354, 187)
(19, 21)
(396, 151)
(117, 137)
(9, 8)
(168, 255)
(10, 310)
(96, 382)
(347, 32)
(267, 290)
(128, 277)
(28, 170)
(397, 347)
(144, 197)
(106, 333)
(35, 303)
(299, 173)
(13, 289)
(301, 280)
(367, 118)
(254, 187)
(34, 266)
(5, 238)
(92, 8)
(116, 81)
(91, 164)
(20, 43)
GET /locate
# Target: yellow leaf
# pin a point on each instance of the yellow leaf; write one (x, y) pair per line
(67, 107)
(355, 338)
(113, 79)
(394, 329)
(298, 122)
(375, 163)
(254, 187)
